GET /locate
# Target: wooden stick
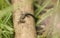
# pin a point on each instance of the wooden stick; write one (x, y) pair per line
(27, 29)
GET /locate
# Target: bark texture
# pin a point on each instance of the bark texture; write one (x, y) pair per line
(27, 29)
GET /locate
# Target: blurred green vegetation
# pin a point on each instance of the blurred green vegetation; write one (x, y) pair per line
(6, 23)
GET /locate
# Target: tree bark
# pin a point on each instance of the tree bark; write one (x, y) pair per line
(27, 29)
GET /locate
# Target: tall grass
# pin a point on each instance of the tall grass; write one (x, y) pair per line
(6, 24)
(47, 14)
